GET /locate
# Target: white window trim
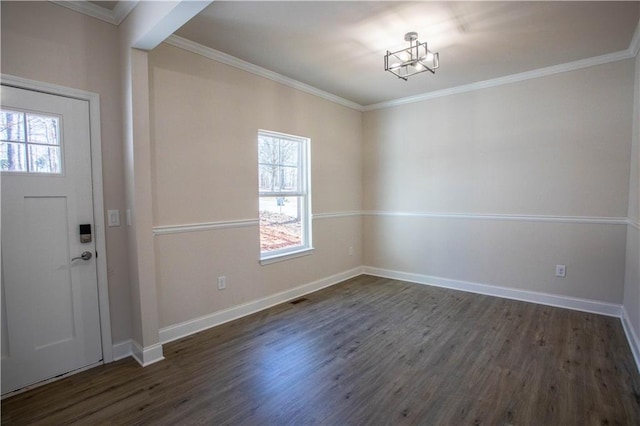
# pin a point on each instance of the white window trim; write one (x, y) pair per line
(267, 258)
(274, 258)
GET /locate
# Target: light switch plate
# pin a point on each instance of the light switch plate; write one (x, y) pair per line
(113, 217)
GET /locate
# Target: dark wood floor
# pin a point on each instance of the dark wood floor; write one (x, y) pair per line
(367, 351)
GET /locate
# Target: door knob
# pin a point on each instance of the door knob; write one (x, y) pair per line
(84, 256)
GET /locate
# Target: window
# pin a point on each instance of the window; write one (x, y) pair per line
(29, 143)
(284, 203)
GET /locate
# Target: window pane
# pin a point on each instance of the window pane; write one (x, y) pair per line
(12, 157)
(289, 179)
(269, 178)
(11, 126)
(43, 129)
(289, 153)
(268, 150)
(278, 179)
(280, 223)
(44, 159)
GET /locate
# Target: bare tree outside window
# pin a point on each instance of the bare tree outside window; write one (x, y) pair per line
(12, 153)
(279, 162)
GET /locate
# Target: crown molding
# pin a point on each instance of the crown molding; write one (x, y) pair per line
(122, 10)
(630, 52)
(514, 78)
(113, 17)
(226, 59)
(634, 46)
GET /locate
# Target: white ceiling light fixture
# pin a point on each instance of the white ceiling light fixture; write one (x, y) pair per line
(415, 59)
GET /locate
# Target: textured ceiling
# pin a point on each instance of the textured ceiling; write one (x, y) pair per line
(339, 47)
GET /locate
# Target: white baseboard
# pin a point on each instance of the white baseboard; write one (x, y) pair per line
(586, 305)
(178, 331)
(146, 356)
(122, 350)
(153, 353)
(577, 304)
(632, 337)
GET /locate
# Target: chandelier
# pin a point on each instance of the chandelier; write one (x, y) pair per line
(413, 60)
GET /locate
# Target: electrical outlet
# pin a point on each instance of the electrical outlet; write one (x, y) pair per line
(351, 251)
(561, 271)
(222, 283)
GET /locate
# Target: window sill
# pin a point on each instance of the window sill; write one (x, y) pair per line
(267, 260)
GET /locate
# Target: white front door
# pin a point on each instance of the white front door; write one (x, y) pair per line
(50, 315)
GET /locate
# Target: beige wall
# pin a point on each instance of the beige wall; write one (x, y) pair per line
(552, 146)
(632, 277)
(205, 119)
(49, 43)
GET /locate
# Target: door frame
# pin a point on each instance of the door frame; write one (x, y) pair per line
(98, 198)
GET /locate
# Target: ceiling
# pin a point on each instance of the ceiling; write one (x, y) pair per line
(338, 47)
(109, 5)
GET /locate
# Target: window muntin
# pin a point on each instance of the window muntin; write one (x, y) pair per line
(283, 194)
(30, 143)
(280, 161)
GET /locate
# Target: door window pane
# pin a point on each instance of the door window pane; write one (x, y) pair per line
(30, 143)
(11, 126)
(44, 159)
(43, 129)
(12, 157)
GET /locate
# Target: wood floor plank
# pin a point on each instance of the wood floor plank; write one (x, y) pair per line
(367, 351)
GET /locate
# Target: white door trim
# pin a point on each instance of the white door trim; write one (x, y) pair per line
(98, 202)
